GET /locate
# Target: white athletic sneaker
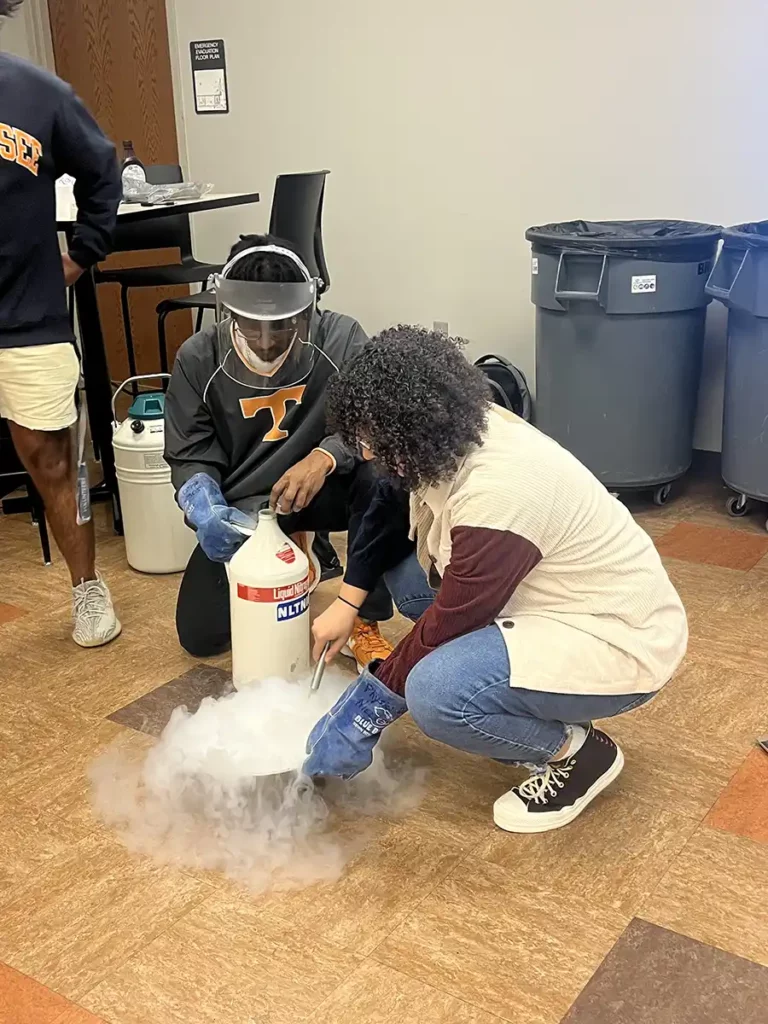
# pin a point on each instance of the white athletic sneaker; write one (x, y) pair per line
(94, 616)
(563, 790)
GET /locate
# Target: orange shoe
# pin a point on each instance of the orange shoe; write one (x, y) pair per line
(304, 541)
(367, 644)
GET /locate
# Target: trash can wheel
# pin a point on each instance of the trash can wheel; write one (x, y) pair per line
(661, 494)
(737, 505)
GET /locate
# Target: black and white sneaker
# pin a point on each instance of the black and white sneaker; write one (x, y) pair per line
(560, 793)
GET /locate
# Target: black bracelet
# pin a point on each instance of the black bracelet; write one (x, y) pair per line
(345, 601)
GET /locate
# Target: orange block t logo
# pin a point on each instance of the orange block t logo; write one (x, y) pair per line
(277, 405)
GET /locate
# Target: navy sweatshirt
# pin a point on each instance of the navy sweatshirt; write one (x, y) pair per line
(45, 132)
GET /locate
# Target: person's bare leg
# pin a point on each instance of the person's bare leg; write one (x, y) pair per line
(48, 457)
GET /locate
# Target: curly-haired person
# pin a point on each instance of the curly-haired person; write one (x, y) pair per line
(539, 604)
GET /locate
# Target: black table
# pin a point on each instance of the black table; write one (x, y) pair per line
(98, 386)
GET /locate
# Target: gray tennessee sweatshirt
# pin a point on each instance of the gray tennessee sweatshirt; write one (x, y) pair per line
(210, 425)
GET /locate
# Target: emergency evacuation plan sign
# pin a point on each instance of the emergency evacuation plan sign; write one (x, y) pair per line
(209, 75)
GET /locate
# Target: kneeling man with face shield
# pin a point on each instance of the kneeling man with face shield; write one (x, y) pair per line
(245, 426)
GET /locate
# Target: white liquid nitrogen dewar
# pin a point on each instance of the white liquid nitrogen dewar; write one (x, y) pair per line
(269, 602)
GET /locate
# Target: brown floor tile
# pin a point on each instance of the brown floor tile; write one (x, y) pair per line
(375, 996)
(493, 938)
(743, 807)
(715, 892)
(221, 965)
(709, 704)
(653, 976)
(10, 612)
(613, 855)
(25, 1001)
(701, 586)
(731, 549)
(84, 912)
(150, 713)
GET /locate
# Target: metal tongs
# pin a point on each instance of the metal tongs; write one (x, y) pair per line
(317, 675)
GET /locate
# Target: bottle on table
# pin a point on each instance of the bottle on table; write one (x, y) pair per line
(133, 170)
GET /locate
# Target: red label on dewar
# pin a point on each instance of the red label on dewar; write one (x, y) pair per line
(287, 554)
(273, 594)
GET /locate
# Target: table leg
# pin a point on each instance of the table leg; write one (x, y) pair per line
(98, 391)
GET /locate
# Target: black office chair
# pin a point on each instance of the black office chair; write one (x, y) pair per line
(297, 216)
(161, 233)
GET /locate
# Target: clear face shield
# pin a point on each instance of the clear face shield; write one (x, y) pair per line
(264, 327)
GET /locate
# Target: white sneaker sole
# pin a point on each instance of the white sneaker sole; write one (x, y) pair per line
(544, 822)
(347, 651)
(106, 640)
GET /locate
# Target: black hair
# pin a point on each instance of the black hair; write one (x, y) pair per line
(268, 266)
(413, 397)
(8, 7)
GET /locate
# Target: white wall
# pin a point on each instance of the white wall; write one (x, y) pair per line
(450, 127)
(27, 34)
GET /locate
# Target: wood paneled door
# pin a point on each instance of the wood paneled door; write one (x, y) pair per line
(115, 54)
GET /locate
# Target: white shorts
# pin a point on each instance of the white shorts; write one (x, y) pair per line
(38, 385)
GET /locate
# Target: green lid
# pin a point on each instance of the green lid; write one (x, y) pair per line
(150, 406)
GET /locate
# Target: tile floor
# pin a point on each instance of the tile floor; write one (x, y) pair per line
(647, 910)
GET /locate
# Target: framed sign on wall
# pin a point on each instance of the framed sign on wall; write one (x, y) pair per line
(209, 76)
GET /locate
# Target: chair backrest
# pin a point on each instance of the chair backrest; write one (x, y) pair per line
(160, 232)
(297, 216)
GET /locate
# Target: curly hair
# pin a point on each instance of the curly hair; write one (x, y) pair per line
(8, 7)
(412, 396)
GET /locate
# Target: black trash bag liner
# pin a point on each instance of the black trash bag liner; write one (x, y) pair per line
(747, 236)
(677, 241)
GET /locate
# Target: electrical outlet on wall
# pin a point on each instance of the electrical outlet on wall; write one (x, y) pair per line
(440, 325)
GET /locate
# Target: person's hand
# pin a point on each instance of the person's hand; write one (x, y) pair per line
(342, 742)
(333, 627)
(301, 484)
(215, 522)
(72, 271)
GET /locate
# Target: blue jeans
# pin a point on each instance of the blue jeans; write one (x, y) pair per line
(460, 694)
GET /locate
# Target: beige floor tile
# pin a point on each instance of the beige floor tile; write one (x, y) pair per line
(86, 910)
(709, 702)
(379, 995)
(715, 892)
(221, 965)
(738, 623)
(494, 938)
(397, 867)
(57, 783)
(460, 789)
(29, 728)
(613, 855)
(701, 586)
(666, 766)
(31, 841)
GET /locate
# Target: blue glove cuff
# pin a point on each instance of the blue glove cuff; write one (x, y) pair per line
(200, 486)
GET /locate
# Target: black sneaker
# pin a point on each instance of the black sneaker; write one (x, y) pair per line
(560, 793)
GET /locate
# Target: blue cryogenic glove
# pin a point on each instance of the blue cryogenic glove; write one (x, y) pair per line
(342, 742)
(203, 504)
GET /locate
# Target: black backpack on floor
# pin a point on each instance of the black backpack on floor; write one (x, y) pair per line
(509, 386)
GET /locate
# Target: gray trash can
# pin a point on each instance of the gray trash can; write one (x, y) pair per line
(740, 280)
(620, 310)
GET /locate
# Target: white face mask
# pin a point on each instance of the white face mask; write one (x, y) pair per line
(254, 362)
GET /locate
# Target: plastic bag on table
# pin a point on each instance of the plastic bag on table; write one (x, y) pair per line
(156, 195)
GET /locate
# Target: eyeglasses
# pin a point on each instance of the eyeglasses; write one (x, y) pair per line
(364, 450)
